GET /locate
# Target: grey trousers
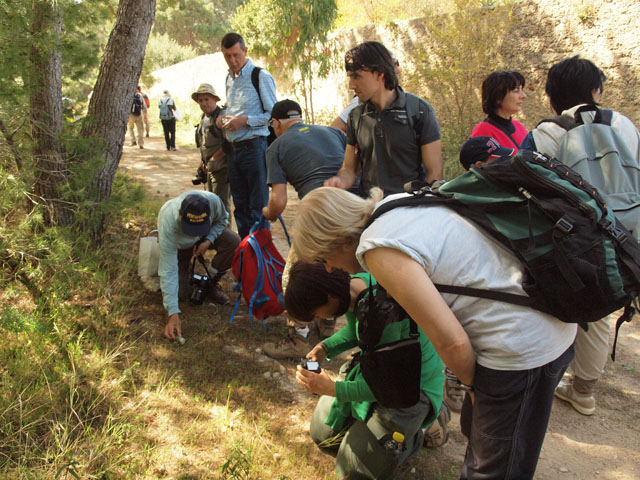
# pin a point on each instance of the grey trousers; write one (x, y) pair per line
(361, 453)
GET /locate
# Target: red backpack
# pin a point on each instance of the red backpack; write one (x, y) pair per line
(258, 266)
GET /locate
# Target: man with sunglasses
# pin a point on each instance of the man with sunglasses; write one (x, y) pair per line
(393, 137)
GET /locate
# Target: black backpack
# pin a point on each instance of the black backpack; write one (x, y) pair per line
(255, 80)
(580, 263)
(136, 107)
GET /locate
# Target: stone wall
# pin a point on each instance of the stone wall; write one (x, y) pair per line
(543, 32)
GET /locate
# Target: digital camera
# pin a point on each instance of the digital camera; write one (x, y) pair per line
(201, 177)
(200, 282)
(310, 365)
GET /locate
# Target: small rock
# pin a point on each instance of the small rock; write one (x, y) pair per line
(413, 470)
(282, 369)
(564, 469)
(258, 350)
(276, 374)
(267, 375)
(276, 456)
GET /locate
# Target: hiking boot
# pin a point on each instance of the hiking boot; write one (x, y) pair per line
(584, 404)
(452, 392)
(141, 146)
(438, 433)
(133, 144)
(291, 346)
(326, 327)
(218, 296)
(147, 135)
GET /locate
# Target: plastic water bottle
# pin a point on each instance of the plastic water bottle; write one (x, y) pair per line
(395, 444)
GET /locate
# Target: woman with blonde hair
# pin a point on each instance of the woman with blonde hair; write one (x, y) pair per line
(509, 358)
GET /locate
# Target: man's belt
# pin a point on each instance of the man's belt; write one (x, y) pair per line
(244, 143)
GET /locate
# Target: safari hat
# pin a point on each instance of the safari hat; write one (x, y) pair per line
(205, 88)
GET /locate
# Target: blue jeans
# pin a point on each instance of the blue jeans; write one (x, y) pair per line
(247, 172)
(508, 420)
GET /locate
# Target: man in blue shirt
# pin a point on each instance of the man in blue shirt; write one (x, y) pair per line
(188, 226)
(245, 123)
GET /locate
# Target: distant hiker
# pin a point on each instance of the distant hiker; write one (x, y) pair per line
(138, 109)
(574, 87)
(502, 97)
(188, 226)
(167, 106)
(146, 113)
(209, 139)
(393, 137)
(251, 93)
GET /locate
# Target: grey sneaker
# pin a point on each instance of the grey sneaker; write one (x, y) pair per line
(438, 433)
(216, 295)
(291, 346)
(584, 404)
(452, 392)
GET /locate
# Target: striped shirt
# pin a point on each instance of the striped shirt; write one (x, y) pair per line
(242, 99)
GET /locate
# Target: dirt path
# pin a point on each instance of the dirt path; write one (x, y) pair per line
(603, 446)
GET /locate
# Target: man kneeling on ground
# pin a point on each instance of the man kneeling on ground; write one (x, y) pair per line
(188, 226)
(368, 439)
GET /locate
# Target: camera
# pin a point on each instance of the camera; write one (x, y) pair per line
(310, 365)
(200, 284)
(201, 177)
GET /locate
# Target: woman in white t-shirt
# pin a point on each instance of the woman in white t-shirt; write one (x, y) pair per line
(509, 357)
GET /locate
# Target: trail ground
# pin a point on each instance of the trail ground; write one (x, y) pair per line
(219, 401)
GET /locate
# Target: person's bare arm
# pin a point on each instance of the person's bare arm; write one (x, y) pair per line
(408, 283)
(432, 160)
(339, 124)
(346, 176)
(277, 201)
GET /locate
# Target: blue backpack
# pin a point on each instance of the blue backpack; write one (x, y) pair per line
(165, 111)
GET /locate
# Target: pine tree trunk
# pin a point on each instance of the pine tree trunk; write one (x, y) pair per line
(112, 97)
(45, 106)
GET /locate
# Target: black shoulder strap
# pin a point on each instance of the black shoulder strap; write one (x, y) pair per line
(602, 116)
(255, 80)
(414, 115)
(417, 200)
(561, 120)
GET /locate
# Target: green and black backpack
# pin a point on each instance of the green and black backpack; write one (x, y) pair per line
(580, 263)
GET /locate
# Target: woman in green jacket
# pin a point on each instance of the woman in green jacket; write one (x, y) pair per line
(368, 439)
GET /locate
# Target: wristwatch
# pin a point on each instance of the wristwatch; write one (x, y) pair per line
(463, 386)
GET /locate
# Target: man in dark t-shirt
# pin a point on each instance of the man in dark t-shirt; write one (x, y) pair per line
(393, 137)
(305, 156)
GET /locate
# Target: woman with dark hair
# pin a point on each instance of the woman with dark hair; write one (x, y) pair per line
(348, 420)
(502, 97)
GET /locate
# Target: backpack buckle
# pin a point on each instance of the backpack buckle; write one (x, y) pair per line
(564, 225)
(616, 232)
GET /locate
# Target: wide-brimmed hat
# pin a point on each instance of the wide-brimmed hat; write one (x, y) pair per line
(205, 88)
(481, 149)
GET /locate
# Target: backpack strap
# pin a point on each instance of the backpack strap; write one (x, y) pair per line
(414, 115)
(562, 121)
(420, 199)
(602, 116)
(255, 80)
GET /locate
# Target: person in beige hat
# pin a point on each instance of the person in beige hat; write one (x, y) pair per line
(209, 139)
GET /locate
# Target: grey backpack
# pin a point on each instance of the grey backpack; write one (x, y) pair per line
(598, 153)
